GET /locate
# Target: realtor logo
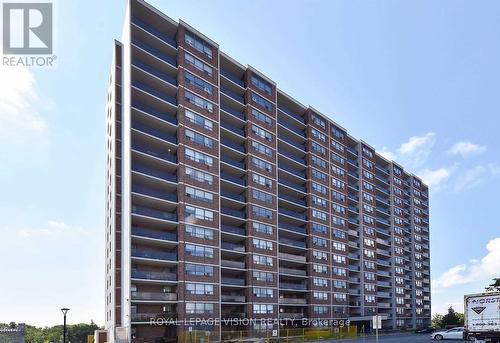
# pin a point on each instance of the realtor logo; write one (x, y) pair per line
(27, 28)
(478, 310)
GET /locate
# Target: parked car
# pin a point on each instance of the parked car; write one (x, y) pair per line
(455, 333)
(425, 330)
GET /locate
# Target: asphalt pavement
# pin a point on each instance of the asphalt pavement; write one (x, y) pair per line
(393, 338)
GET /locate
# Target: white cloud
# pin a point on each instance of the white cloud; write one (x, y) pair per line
(412, 153)
(476, 176)
(20, 121)
(387, 154)
(466, 149)
(435, 177)
(53, 229)
(482, 270)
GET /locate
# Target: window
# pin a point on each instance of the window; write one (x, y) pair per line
(199, 176)
(338, 209)
(198, 194)
(262, 196)
(262, 212)
(262, 228)
(200, 289)
(319, 214)
(319, 228)
(318, 121)
(370, 276)
(318, 148)
(318, 201)
(262, 102)
(370, 299)
(261, 164)
(262, 244)
(320, 255)
(199, 157)
(337, 183)
(199, 120)
(199, 232)
(320, 268)
(338, 171)
(320, 295)
(367, 152)
(261, 117)
(369, 265)
(261, 148)
(339, 284)
(339, 246)
(367, 175)
(337, 146)
(199, 308)
(317, 134)
(261, 84)
(199, 251)
(320, 309)
(198, 64)
(318, 161)
(370, 287)
(199, 44)
(262, 276)
(199, 269)
(338, 196)
(367, 186)
(367, 163)
(337, 133)
(339, 297)
(339, 233)
(198, 101)
(337, 158)
(198, 83)
(339, 271)
(199, 213)
(318, 175)
(262, 308)
(339, 259)
(262, 260)
(318, 188)
(320, 282)
(261, 292)
(261, 180)
(262, 133)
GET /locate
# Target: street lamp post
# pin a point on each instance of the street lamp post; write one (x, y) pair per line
(64, 311)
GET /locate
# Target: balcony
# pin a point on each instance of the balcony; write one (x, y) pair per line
(233, 179)
(301, 174)
(287, 140)
(293, 185)
(232, 264)
(297, 286)
(292, 242)
(232, 95)
(233, 129)
(234, 196)
(292, 156)
(234, 213)
(154, 92)
(149, 233)
(291, 113)
(146, 317)
(233, 78)
(232, 281)
(233, 298)
(233, 162)
(233, 247)
(293, 271)
(154, 255)
(294, 228)
(150, 192)
(154, 112)
(292, 301)
(292, 128)
(290, 315)
(155, 72)
(149, 212)
(292, 257)
(158, 34)
(166, 156)
(234, 112)
(157, 276)
(155, 52)
(154, 296)
(233, 145)
(300, 202)
(138, 168)
(301, 216)
(233, 229)
(154, 132)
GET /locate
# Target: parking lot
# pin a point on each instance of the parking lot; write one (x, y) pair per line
(395, 338)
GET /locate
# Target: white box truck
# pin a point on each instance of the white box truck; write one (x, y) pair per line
(482, 317)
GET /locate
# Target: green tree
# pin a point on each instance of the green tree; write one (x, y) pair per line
(452, 318)
(494, 286)
(437, 321)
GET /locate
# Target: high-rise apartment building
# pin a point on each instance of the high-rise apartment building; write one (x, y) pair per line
(228, 199)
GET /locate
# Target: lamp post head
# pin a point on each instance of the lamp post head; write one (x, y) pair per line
(65, 310)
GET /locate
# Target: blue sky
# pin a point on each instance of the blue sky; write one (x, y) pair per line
(416, 79)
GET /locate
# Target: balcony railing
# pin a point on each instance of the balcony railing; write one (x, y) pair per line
(232, 94)
(155, 52)
(293, 301)
(169, 196)
(234, 196)
(292, 184)
(294, 228)
(292, 271)
(154, 132)
(233, 298)
(155, 296)
(157, 33)
(232, 264)
(146, 317)
(292, 315)
(234, 213)
(149, 212)
(232, 111)
(159, 276)
(293, 157)
(234, 229)
(292, 199)
(153, 91)
(232, 161)
(154, 172)
(292, 242)
(233, 246)
(299, 146)
(232, 78)
(291, 113)
(155, 255)
(289, 285)
(149, 233)
(292, 213)
(154, 112)
(156, 153)
(232, 281)
(301, 174)
(233, 145)
(292, 128)
(292, 257)
(153, 71)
